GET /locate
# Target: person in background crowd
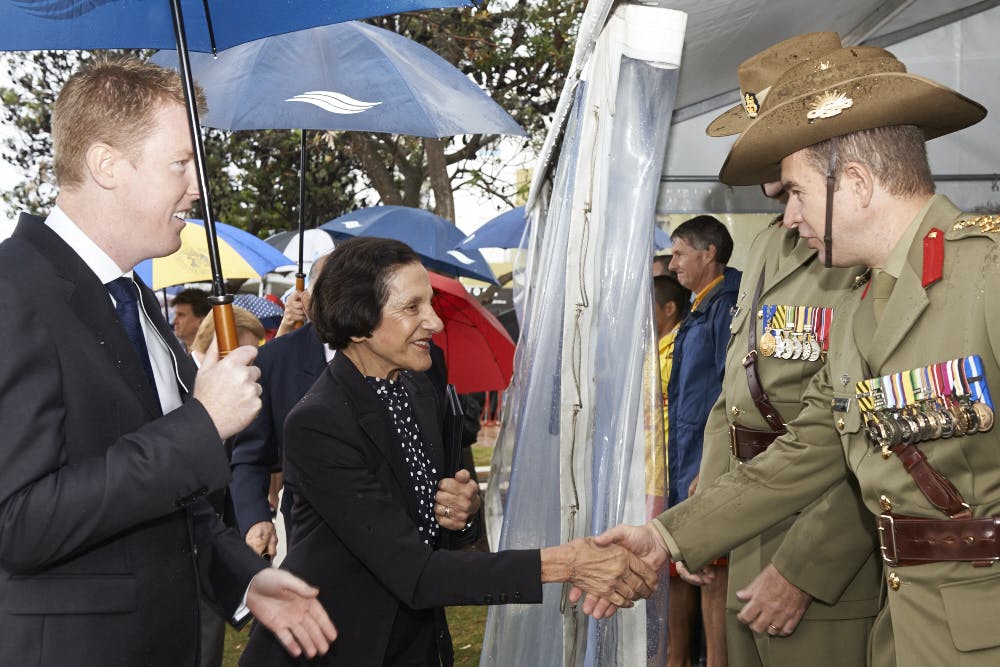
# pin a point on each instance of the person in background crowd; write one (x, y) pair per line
(701, 248)
(190, 308)
(671, 301)
(249, 331)
(661, 266)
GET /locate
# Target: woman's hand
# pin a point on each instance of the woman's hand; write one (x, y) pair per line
(456, 501)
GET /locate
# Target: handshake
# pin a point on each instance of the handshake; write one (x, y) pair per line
(613, 569)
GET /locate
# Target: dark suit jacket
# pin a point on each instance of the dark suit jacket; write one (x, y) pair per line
(355, 520)
(288, 367)
(105, 539)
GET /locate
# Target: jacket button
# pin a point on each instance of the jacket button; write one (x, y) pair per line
(517, 596)
(885, 503)
(894, 581)
(841, 423)
(736, 411)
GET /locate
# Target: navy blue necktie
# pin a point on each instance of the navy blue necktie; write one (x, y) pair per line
(126, 295)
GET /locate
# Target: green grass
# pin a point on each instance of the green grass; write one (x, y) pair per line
(482, 454)
(466, 623)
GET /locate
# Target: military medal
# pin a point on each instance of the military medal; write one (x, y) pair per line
(984, 415)
(766, 345)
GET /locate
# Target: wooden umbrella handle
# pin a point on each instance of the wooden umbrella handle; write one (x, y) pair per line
(300, 286)
(225, 324)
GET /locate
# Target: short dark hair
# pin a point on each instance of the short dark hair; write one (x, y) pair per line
(702, 231)
(353, 287)
(196, 298)
(666, 289)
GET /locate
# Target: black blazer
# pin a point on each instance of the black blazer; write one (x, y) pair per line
(288, 367)
(355, 521)
(105, 539)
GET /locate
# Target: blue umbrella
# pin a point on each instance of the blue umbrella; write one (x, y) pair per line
(114, 24)
(431, 236)
(507, 231)
(347, 76)
(504, 231)
(210, 24)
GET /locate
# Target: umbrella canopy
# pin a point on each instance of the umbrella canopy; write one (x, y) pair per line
(477, 349)
(268, 312)
(210, 24)
(243, 255)
(316, 243)
(507, 231)
(504, 231)
(431, 236)
(347, 76)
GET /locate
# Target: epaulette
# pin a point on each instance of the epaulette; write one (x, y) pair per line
(977, 225)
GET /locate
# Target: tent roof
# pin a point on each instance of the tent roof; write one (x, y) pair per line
(951, 42)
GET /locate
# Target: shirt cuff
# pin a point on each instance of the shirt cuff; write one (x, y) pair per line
(243, 609)
(675, 550)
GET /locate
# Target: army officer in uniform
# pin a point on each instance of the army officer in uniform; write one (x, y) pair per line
(905, 391)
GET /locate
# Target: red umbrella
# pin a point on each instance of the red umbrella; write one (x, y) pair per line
(478, 350)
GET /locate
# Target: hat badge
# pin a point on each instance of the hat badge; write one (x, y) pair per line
(751, 105)
(829, 104)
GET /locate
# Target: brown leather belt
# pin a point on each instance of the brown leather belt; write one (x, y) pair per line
(746, 443)
(906, 540)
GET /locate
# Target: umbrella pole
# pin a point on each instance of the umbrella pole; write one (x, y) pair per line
(300, 277)
(222, 303)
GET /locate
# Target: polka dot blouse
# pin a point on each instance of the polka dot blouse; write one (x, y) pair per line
(423, 477)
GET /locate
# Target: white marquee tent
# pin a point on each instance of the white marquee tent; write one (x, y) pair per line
(951, 41)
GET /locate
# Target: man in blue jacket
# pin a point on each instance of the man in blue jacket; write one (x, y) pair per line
(701, 249)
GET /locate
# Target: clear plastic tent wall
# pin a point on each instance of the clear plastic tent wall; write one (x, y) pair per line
(581, 448)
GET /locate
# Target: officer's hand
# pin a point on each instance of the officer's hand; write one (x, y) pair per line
(773, 604)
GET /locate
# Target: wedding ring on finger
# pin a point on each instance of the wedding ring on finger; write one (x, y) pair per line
(772, 629)
(447, 511)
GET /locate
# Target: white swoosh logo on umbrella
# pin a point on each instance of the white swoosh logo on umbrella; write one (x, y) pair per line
(333, 102)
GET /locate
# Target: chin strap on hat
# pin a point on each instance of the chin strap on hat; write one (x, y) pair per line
(831, 180)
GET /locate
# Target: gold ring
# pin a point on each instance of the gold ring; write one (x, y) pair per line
(772, 627)
(447, 511)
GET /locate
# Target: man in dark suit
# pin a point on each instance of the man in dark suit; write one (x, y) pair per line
(111, 440)
(288, 365)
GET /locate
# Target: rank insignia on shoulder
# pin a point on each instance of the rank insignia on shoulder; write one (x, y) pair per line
(986, 224)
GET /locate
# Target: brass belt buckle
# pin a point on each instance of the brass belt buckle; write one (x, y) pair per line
(892, 559)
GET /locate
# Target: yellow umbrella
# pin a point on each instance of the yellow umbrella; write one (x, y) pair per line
(242, 254)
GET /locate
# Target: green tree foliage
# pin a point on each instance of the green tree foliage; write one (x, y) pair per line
(519, 52)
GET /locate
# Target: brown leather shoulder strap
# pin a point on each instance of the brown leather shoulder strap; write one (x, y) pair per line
(760, 398)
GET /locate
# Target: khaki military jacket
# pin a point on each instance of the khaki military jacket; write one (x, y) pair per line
(937, 613)
(843, 577)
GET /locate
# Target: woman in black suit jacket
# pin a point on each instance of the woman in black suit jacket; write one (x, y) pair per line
(364, 456)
